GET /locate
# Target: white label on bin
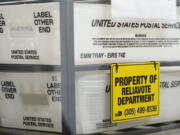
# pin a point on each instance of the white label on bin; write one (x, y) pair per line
(31, 100)
(101, 40)
(93, 102)
(147, 9)
(30, 34)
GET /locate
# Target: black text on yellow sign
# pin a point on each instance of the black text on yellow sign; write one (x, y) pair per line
(134, 91)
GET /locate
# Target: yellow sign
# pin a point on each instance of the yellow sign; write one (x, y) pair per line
(134, 91)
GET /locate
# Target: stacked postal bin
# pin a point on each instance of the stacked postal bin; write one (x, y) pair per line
(98, 41)
(30, 76)
(30, 92)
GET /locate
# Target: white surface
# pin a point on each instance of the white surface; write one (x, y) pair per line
(85, 36)
(147, 9)
(13, 111)
(93, 102)
(20, 33)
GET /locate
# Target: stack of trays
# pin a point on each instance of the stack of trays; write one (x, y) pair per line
(29, 34)
(99, 39)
